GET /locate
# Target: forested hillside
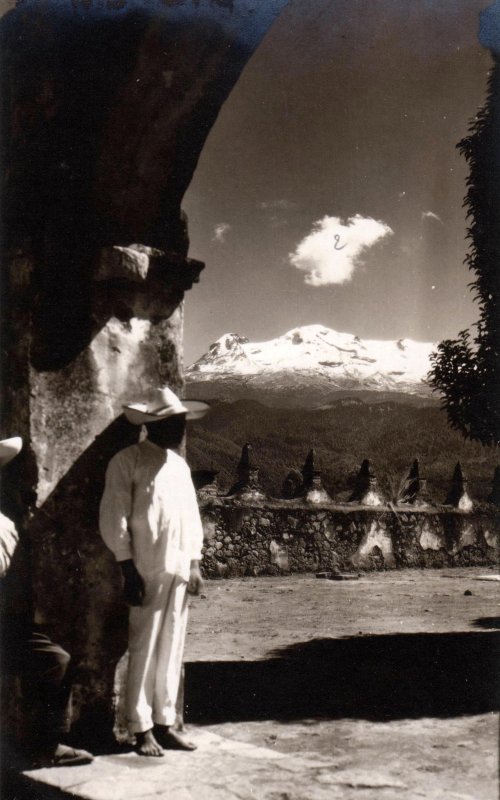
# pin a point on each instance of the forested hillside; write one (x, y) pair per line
(391, 434)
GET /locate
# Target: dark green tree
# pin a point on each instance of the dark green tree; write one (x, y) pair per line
(466, 370)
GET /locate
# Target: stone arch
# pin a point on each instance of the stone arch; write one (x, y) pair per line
(108, 105)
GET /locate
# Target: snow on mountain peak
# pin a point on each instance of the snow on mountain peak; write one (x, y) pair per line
(227, 354)
(317, 352)
(227, 342)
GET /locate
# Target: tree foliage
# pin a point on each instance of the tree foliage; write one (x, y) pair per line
(466, 370)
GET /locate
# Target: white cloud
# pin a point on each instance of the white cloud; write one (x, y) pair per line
(333, 249)
(220, 231)
(431, 215)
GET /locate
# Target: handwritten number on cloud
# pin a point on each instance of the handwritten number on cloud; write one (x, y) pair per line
(324, 264)
(431, 215)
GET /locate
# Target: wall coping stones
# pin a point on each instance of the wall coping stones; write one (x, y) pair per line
(274, 504)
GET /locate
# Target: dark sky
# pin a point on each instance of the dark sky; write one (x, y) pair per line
(348, 108)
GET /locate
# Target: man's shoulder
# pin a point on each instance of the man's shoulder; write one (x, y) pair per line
(179, 461)
(126, 456)
(126, 452)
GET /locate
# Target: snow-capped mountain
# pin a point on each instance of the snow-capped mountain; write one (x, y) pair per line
(310, 364)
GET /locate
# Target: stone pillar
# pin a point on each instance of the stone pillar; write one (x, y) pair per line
(107, 106)
(313, 490)
(495, 488)
(247, 487)
(458, 495)
(366, 491)
(414, 489)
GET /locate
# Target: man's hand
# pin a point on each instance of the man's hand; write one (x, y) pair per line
(195, 583)
(133, 586)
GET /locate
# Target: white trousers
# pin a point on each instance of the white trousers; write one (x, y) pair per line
(157, 631)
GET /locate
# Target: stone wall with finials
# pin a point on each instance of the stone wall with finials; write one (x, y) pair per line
(247, 533)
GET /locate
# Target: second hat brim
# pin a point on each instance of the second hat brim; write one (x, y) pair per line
(9, 448)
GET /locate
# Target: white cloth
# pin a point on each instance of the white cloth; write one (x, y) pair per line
(157, 631)
(8, 543)
(149, 513)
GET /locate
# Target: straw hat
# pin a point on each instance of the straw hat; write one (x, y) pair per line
(9, 448)
(161, 404)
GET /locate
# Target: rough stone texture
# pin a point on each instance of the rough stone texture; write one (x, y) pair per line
(272, 537)
(108, 108)
(128, 263)
(74, 428)
(137, 262)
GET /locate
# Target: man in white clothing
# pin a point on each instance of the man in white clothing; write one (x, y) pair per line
(149, 519)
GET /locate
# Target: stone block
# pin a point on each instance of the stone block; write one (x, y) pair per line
(124, 263)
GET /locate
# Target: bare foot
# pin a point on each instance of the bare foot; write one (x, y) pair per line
(63, 756)
(172, 740)
(147, 744)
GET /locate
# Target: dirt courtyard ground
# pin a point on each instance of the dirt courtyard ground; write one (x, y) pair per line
(394, 677)
(384, 687)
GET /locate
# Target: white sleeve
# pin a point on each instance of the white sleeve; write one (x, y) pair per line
(116, 506)
(195, 525)
(8, 543)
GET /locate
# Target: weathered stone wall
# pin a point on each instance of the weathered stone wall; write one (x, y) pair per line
(106, 107)
(275, 537)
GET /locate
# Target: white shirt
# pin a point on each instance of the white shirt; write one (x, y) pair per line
(8, 543)
(149, 511)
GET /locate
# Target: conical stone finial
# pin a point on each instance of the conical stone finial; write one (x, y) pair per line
(366, 491)
(246, 457)
(458, 495)
(308, 469)
(247, 484)
(313, 490)
(495, 488)
(414, 473)
(414, 489)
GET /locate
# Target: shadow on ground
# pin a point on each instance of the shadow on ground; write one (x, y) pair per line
(15, 786)
(378, 678)
(487, 622)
